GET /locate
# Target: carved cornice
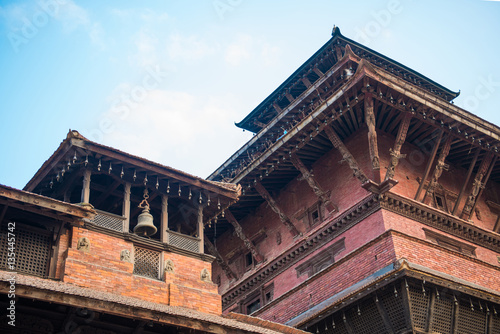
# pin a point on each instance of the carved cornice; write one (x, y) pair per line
(440, 220)
(327, 233)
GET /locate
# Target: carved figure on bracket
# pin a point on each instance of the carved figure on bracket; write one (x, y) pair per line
(169, 266)
(83, 244)
(278, 238)
(125, 256)
(205, 275)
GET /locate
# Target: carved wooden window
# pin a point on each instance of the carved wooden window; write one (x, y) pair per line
(258, 299)
(314, 214)
(31, 249)
(449, 243)
(249, 260)
(147, 263)
(322, 260)
(252, 306)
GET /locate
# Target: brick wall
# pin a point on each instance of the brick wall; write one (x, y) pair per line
(100, 268)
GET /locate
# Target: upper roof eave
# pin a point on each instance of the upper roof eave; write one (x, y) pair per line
(336, 34)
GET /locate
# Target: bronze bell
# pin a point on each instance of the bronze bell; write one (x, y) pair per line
(145, 225)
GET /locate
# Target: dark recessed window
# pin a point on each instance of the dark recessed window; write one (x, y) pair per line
(253, 306)
(248, 260)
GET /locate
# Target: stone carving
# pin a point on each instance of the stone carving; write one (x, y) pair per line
(125, 255)
(205, 275)
(169, 266)
(83, 244)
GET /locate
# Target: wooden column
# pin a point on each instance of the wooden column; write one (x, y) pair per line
(200, 228)
(467, 178)
(476, 187)
(239, 232)
(372, 133)
(313, 183)
(274, 206)
(164, 219)
(438, 170)
(429, 165)
(67, 195)
(346, 155)
(220, 260)
(454, 316)
(126, 207)
(86, 186)
(396, 152)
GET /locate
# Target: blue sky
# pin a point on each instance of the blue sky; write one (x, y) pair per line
(166, 80)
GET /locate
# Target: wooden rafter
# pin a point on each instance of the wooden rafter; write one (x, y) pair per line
(346, 155)
(313, 183)
(372, 132)
(467, 178)
(239, 232)
(396, 152)
(486, 178)
(275, 207)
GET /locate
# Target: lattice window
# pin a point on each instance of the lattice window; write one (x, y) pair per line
(368, 320)
(419, 305)
(469, 321)
(108, 220)
(184, 242)
(32, 250)
(394, 307)
(441, 316)
(146, 263)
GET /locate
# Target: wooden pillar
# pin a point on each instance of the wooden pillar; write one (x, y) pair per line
(372, 134)
(126, 207)
(467, 178)
(346, 155)
(438, 170)
(396, 152)
(220, 260)
(200, 228)
(239, 232)
(429, 165)
(86, 186)
(454, 316)
(313, 183)
(66, 196)
(274, 206)
(476, 187)
(164, 219)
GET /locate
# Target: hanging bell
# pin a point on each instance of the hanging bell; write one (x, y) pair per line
(145, 226)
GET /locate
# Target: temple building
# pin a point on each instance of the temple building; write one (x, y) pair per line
(366, 202)
(370, 204)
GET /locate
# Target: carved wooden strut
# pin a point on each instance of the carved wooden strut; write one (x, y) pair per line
(438, 170)
(274, 206)
(225, 267)
(372, 133)
(239, 232)
(396, 152)
(346, 155)
(313, 183)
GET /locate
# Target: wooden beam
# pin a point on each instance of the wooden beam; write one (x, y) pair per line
(275, 207)
(201, 227)
(407, 304)
(454, 316)
(430, 311)
(346, 155)
(496, 228)
(438, 170)
(396, 152)
(306, 82)
(476, 187)
(467, 178)
(372, 132)
(239, 232)
(313, 183)
(4, 211)
(164, 220)
(220, 260)
(347, 324)
(429, 164)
